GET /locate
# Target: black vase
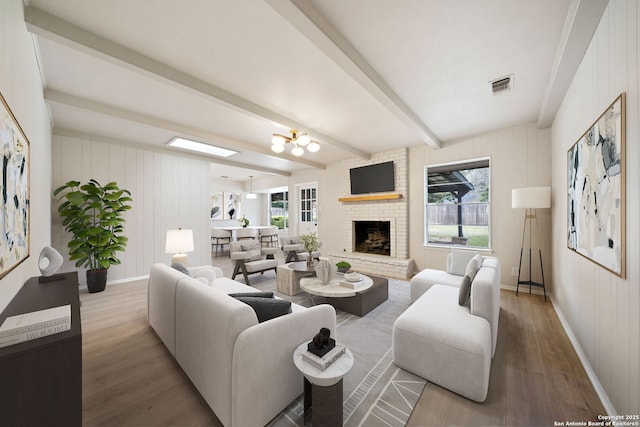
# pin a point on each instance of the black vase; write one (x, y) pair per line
(96, 280)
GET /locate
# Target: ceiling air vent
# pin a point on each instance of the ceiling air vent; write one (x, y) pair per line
(502, 84)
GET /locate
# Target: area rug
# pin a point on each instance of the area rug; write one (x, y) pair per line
(376, 392)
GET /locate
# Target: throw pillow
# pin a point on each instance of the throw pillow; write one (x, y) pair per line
(253, 251)
(252, 294)
(207, 274)
(294, 240)
(253, 246)
(459, 261)
(467, 281)
(479, 260)
(267, 308)
(181, 268)
(465, 290)
(472, 268)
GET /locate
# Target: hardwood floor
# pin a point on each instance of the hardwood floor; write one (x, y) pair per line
(130, 379)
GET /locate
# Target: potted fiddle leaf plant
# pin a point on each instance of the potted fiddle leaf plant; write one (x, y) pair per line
(94, 215)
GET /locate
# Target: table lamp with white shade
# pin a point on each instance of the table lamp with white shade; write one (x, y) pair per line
(531, 198)
(178, 243)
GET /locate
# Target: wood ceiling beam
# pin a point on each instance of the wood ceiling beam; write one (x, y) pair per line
(161, 149)
(53, 96)
(581, 23)
(49, 26)
(308, 20)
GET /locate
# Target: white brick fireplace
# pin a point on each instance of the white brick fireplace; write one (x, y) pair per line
(396, 211)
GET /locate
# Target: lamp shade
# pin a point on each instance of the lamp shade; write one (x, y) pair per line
(531, 197)
(179, 241)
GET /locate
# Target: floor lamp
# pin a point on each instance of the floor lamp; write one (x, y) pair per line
(531, 198)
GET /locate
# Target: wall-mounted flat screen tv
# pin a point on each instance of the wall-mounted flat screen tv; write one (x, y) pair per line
(373, 178)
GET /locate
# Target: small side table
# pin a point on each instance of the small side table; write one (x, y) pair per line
(289, 275)
(323, 389)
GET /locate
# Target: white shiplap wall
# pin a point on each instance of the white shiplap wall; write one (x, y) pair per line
(168, 191)
(21, 87)
(520, 157)
(601, 309)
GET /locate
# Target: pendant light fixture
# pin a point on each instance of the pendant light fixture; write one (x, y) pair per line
(297, 140)
(251, 194)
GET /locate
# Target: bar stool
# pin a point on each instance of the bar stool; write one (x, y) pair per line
(219, 238)
(246, 233)
(268, 236)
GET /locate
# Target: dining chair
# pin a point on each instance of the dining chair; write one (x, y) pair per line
(246, 233)
(268, 236)
(219, 238)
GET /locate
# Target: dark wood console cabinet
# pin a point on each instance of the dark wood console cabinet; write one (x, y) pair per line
(41, 379)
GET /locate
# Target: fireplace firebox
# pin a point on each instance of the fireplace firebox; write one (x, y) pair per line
(372, 237)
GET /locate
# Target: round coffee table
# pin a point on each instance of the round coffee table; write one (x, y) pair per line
(334, 289)
(323, 389)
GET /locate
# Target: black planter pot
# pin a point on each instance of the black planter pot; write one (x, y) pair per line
(96, 280)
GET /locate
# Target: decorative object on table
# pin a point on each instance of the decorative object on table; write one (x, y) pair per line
(311, 244)
(35, 324)
(325, 271)
(531, 198)
(14, 205)
(596, 191)
(53, 261)
(352, 281)
(322, 343)
(179, 242)
(94, 215)
(343, 266)
(244, 221)
(325, 361)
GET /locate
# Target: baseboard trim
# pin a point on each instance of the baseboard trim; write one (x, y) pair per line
(534, 290)
(120, 281)
(604, 398)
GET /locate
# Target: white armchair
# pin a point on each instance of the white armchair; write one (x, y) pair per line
(249, 257)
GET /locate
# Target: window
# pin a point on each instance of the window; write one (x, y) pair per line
(279, 209)
(308, 209)
(457, 208)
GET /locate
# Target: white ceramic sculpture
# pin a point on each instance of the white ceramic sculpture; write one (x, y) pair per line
(53, 258)
(325, 271)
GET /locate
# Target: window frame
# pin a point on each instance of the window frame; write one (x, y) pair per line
(285, 208)
(457, 166)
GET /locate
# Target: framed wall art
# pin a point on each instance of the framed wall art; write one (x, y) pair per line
(217, 206)
(14, 191)
(596, 191)
(232, 205)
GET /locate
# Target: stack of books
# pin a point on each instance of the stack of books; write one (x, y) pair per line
(37, 324)
(325, 361)
(352, 284)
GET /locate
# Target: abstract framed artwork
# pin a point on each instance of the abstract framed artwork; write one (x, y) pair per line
(596, 191)
(217, 204)
(14, 191)
(232, 205)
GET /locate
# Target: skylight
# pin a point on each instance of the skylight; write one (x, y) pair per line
(200, 147)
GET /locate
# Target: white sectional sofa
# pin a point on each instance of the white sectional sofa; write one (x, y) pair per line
(242, 368)
(446, 343)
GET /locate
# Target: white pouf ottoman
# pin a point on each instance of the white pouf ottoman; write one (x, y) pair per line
(442, 342)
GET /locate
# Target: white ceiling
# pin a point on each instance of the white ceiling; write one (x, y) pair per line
(361, 76)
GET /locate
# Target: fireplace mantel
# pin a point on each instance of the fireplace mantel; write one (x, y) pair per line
(393, 196)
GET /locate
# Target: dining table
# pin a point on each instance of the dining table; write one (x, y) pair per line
(233, 228)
